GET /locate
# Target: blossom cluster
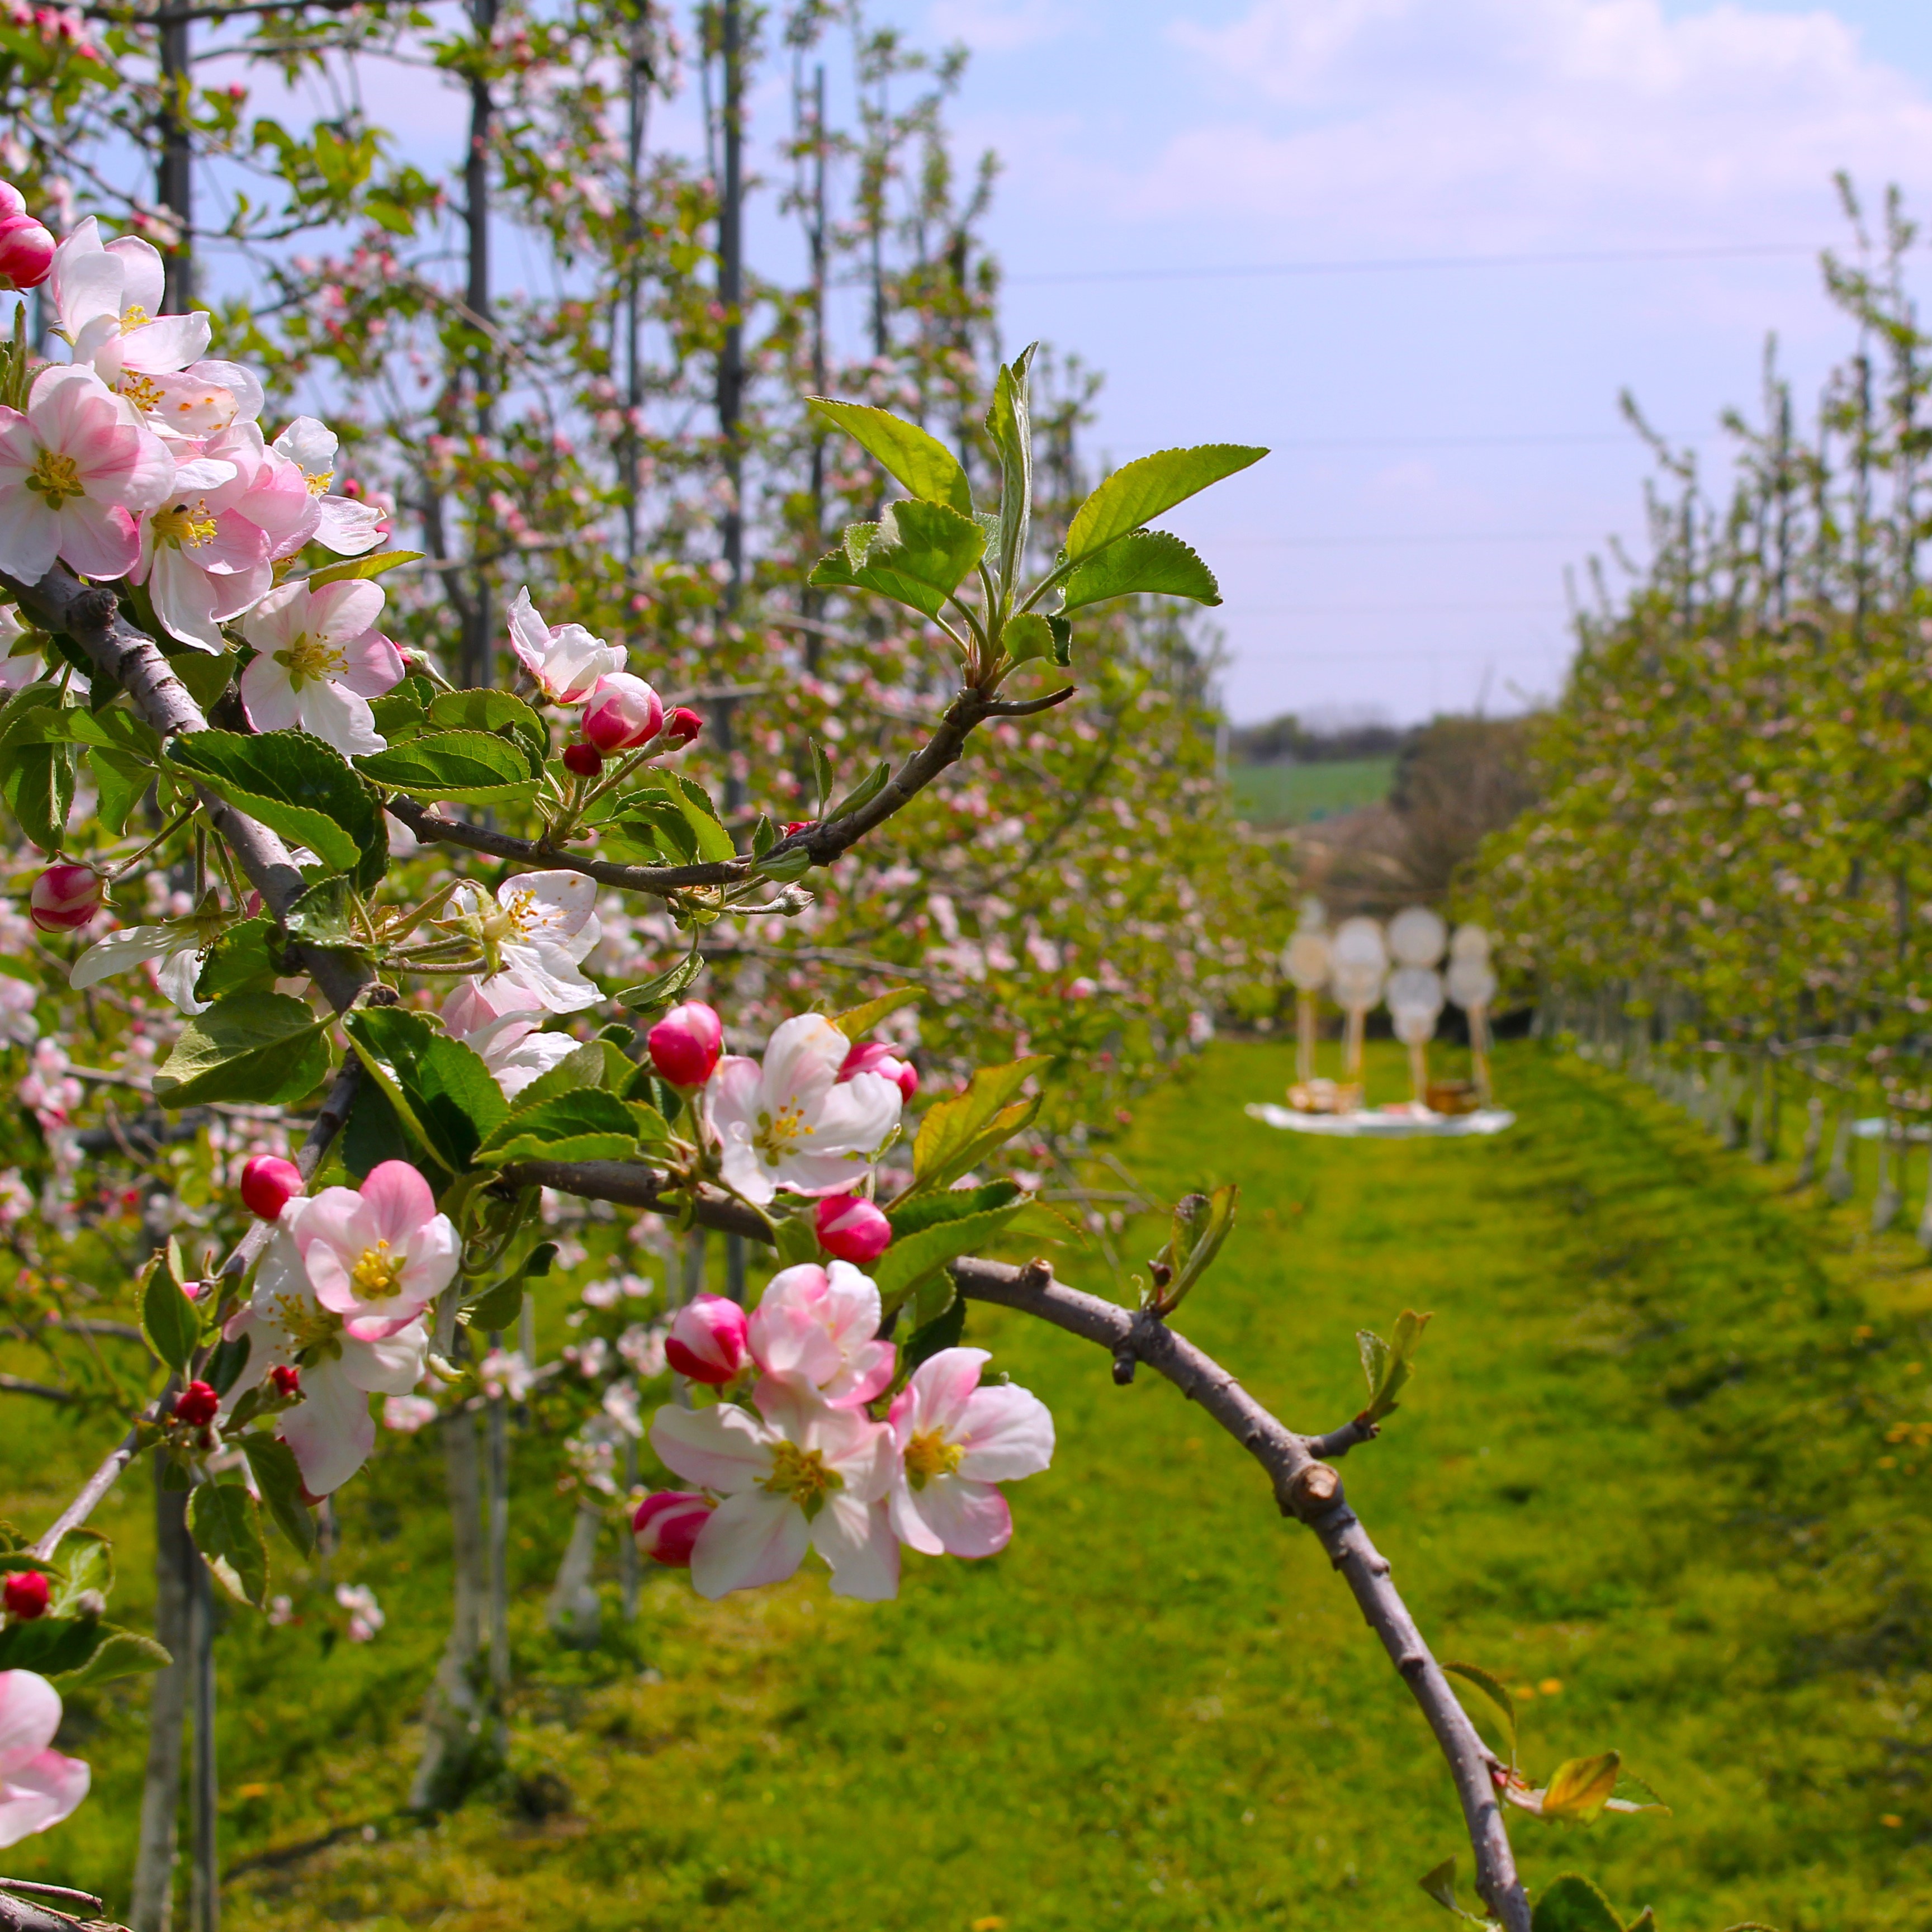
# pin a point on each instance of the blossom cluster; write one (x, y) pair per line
(804, 1466)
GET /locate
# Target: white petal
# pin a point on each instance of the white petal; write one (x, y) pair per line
(857, 1540)
(118, 952)
(330, 1430)
(725, 1448)
(753, 1538)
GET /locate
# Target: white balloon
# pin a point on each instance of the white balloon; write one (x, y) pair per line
(1417, 990)
(1471, 982)
(1354, 985)
(1359, 943)
(1417, 936)
(1471, 942)
(1306, 960)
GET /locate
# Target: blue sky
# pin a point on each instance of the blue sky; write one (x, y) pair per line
(1394, 552)
(1446, 434)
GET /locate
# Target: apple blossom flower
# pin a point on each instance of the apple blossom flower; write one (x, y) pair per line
(499, 1021)
(706, 1342)
(268, 1184)
(792, 1122)
(25, 1595)
(26, 246)
(378, 1256)
(622, 713)
(667, 1524)
(365, 1615)
(850, 1227)
(18, 1022)
(407, 1413)
(642, 1344)
(321, 660)
(682, 726)
(107, 300)
(344, 526)
(180, 945)
(582, 761)
(504, 1373)
(797, 1474)
(955, 1442)
(76, 470)
(532, 936)
(38, 1787)
(564, 661)
(686, 1044)
(817, 1326)
(330, 1430)
(197, 1404)
(872, 1056)
(65, 899)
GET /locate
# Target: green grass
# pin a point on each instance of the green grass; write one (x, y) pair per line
(1274, 795)
(1642, 1461)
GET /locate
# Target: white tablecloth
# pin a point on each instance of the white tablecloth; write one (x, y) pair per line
(1374, 1126)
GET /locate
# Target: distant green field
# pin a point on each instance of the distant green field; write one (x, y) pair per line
(1300, 794)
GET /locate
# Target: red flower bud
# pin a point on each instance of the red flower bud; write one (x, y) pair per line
(197, 1404)
(622, 713)
(706, 1340)
(287, 1381)
(268, 1184)
(872, 1056)
(26, 252)
(64, 897)
(666, 1523)
(683, 725)
(850, 1229)
(25, 1594)
(685, 1044)
(585, 760)
(800, 825)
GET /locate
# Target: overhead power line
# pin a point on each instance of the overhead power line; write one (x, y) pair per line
(1404, 538)
(1394, 264)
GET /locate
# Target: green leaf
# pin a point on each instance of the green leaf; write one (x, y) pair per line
(263, 1048)
(797, 1240)
(205, 674)
(1148, 561)
(943, 1331)
(84, 1561)
(1201, 1223)
(327, 914)
(1028, 636)
(1573, 1904)
(225, 1361)
(497, 1308)
(399, 714)
(51, 1646)
(170, 1321)
(911, 1258)
(37, 782)
(374, 1133)
(909, 1215)
(585, 1067)
(1010, 425)
(440, 1088)
(239, 961)
(821, 776)
(589, 1124)
(227, 1530)
(954, 1134)
(1440, 1884)
(1493, 1688)
(1063, 640)
(279, 1478)
(361, 566)
(913, 458)
(679, 811)
(764, 835)
(917, 554)
(297, 786)
(862, 794)
(1139, 491)
(783, 867)
(119, 1653)
(857, 1021)
(502, 713)
(1388, 1365)
(664, 988)
(1580, 1787)
(469, 766)
(119, 782)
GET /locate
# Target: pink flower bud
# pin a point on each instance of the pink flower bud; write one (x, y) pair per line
(666, 1523)
(268, 1184)
(683, 725)
(685, 1044)
(287, 1381)
(851, 1229)
(706, 1340)
(872, 1056)
(64, 897)
(12, 201)
(197, 1404)
(25, 1594)
(26, 252)
(622, 713)
(585, 760)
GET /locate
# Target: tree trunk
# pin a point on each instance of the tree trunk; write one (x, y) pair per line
(575, 1608)
(152, 1907)
(460, 1741)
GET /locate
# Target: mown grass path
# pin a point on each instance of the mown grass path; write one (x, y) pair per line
(1639, 1476)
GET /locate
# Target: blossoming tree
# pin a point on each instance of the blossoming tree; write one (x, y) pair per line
(396, 888)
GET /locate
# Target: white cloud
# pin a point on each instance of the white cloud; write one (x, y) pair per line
(999, 26)
(1502, 123)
